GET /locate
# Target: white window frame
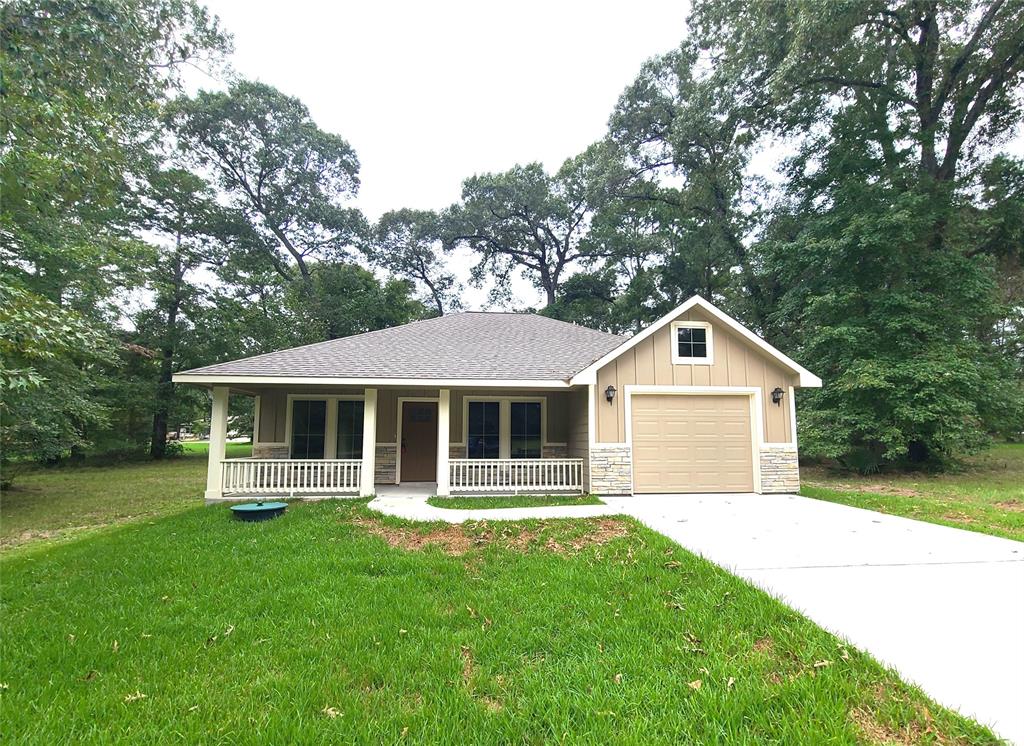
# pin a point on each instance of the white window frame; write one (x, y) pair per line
(331, 424)
(505, 422)
(709, 334)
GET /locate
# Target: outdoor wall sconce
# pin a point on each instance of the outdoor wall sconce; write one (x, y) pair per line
(609, 393)
(777, 395)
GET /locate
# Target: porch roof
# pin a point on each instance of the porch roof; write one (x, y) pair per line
(471, 346)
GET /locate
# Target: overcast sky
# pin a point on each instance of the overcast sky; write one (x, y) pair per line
(430, 93)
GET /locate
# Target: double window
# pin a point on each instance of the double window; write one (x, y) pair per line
(487, 436)
(310, 429)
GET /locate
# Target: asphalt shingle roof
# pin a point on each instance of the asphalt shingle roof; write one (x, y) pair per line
(471, 345)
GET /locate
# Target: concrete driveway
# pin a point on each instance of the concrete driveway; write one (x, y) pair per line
(942, 606)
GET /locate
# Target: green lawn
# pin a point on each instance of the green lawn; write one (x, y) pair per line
(55, 503)
(987, 495)
(334, 624)
(512, 501)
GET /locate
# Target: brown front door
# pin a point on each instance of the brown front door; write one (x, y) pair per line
(419, 441)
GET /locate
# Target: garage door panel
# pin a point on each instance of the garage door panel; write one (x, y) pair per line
(692, 443)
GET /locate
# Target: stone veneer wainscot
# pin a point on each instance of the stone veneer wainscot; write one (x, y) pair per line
(611, 469)
(780, 470)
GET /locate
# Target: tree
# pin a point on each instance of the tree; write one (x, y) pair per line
(525, 219)
(408, 243)
(865, 264)
(181, 208)
(288, 177)
(938, 81)
(352, 301)
(45, 402)
(82, 83)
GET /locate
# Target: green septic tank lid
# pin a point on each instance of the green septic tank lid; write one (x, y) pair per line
(258, 507)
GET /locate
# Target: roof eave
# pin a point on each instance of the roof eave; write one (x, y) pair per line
(207, 379)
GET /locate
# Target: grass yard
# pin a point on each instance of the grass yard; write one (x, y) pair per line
(335, 624)
(987, 495)
(512, 501)
(55, 503)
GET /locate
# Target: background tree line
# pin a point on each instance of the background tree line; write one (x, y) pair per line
(144, 231)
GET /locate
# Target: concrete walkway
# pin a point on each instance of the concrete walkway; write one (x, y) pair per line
(944, 607)
(415, 508)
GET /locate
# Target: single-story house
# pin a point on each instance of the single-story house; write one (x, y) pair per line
(486, 403)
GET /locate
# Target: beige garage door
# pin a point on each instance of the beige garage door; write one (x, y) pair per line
(692, 443)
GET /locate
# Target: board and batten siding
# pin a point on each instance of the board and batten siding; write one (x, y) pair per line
(736, 363)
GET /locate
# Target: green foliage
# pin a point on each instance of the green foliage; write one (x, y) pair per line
(286, 177)
(350, 300)
(408, 244)
(528, 220)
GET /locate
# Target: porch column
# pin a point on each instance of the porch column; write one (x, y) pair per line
(369, 442)
(443, 426)
(218, 440)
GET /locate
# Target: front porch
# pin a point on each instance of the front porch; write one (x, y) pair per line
(357, 442)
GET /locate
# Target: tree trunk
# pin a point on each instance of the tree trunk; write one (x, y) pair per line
(165, 383)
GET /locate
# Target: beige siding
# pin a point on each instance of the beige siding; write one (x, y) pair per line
(577, 433)
(736, 363)
(273, 416)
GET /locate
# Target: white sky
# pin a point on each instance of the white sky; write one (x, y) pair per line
(431, 93)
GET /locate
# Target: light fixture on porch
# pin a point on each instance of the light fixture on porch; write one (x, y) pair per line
(777, 394)
(609, 394)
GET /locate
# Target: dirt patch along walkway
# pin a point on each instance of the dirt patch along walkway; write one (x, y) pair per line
(458, 539)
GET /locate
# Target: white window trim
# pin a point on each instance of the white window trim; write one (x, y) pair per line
(505, 421)
(331, 424)
(709, 332)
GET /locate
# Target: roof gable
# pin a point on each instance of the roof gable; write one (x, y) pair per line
(588, 375)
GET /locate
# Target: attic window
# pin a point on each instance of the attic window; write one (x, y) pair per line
(692, 343)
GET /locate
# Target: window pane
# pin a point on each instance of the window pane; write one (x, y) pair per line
(350, 429)
(315, 447)
(525, 439)
(308, 422)
(482, 438)
(692, 342)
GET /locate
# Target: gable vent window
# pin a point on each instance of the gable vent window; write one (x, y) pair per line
(692, 343)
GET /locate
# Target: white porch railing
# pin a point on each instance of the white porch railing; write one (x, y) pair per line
(516, 475)
(250, 476)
